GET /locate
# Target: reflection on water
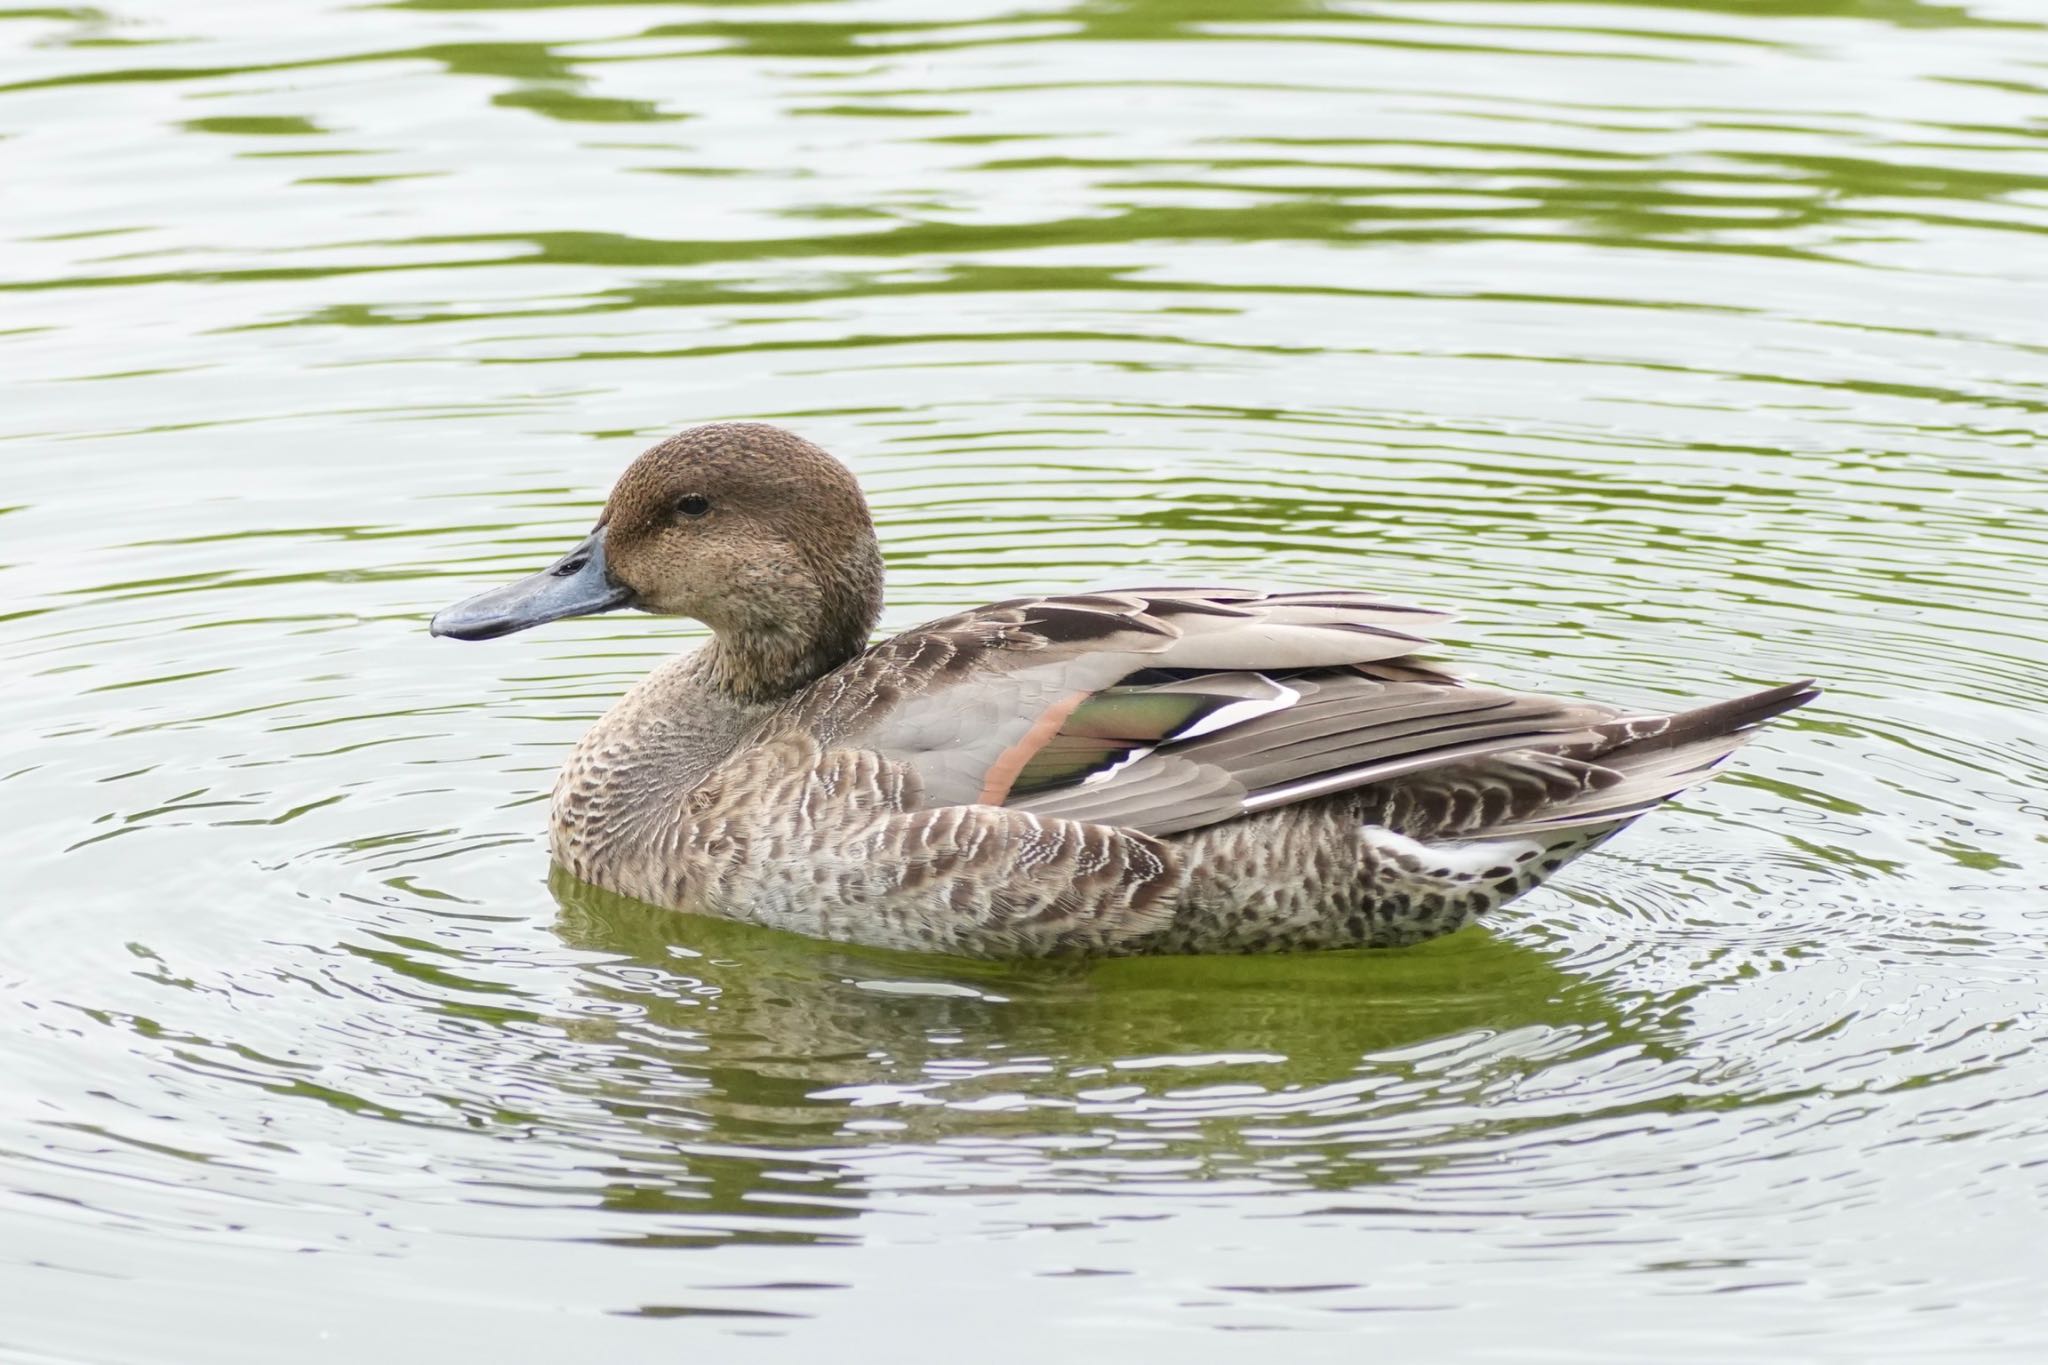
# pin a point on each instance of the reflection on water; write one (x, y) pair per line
(808, 1042)
(1682, 347)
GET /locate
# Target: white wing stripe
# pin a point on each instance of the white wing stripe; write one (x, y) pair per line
(1238, 712)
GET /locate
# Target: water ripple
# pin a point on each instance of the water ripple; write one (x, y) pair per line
(1678, 347)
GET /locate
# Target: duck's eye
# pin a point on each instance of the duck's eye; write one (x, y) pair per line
(692, 505)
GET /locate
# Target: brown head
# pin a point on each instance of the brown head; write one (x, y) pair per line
(746, 527)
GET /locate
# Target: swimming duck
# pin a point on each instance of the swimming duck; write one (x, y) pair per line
(1144, 770)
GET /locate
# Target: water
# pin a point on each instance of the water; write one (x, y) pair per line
(1683, 347)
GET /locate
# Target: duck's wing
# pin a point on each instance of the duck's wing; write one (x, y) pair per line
(973, 696)
(1161, 710)
(1166, 709)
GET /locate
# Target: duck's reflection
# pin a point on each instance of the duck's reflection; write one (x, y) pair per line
(759, 1048)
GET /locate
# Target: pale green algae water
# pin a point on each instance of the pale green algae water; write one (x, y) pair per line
(1682, 346)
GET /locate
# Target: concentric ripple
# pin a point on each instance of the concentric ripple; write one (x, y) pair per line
(1680, 347)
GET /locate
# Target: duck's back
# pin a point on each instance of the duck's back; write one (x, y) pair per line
(1165, 770)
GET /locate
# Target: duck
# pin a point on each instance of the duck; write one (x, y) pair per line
(1111, 772)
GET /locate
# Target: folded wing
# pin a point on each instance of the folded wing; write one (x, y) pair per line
(1164, 710)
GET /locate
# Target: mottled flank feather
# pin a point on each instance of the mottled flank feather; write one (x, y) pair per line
(1144, 770)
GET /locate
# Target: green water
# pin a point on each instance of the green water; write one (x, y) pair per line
(1682, 347)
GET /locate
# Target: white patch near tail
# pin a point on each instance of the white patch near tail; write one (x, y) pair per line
(1460, 860)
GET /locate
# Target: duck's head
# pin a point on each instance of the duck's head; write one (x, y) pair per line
(744, 526)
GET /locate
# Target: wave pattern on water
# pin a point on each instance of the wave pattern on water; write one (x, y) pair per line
(1680, 346)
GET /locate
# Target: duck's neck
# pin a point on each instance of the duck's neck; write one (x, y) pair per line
(689, 715)
(751, 668)
(775, 644)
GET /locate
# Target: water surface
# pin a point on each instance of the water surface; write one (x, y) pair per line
(1682, 347)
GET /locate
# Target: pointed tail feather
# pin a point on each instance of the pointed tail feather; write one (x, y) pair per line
(1643, 735)
(1654, 758)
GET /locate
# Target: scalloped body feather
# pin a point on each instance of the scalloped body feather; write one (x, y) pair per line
(937, 793)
